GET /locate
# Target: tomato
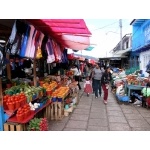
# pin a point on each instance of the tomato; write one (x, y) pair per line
(5, 97)
(11, 98)
(19, 109)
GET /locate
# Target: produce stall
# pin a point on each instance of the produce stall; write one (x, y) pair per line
(64, 97)
(128, 85)
(30, 50)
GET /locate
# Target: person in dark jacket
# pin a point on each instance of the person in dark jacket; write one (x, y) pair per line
(105, 80)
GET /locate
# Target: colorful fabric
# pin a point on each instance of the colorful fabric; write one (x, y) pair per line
(25, 42)
(50, 51)
(28, 48)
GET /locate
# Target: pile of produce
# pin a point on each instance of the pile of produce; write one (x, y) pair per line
(30, 92)
(69, 73)
(23, 112)
(61, 92)
(38, 124)
(33, 92)
(49, 86)
(14, 102)
(134, 80)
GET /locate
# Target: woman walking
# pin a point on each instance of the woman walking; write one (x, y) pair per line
(105, 80)
(97, 74)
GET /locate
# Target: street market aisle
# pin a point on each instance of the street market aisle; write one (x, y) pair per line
(93, 115)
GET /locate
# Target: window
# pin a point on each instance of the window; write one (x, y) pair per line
(146, 59)
(127, 44)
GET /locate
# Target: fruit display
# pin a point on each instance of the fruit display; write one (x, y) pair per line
(14, 102)
(134, 80)
(23, 112)
(69, 73)
(60, 93)
(50, 87)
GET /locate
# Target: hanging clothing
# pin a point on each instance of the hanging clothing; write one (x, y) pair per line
(13, 45)
(28, 48)
(43, 47)
(25, 42)
(64, 56)
(50, 51)
(32, 49)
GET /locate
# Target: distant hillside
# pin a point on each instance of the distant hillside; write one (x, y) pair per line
(87, 57)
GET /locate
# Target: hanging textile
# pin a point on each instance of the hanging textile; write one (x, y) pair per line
(25, 42)
(32, 49)
(57, 51)
(50, 51)
(13, 45)
(28, 48)
(64, 56)
(43, 47)
(36, 42)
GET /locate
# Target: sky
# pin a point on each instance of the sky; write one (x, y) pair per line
(106, 35)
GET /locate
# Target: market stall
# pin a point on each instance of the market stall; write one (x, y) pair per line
(127, 86)
(51, 97)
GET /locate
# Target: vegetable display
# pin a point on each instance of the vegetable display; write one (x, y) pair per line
(23, 112)
(14, 102)
(38, 124)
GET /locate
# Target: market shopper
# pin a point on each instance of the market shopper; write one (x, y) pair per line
(77, 74)
(105, 80)
(88, 86)
(96, 75)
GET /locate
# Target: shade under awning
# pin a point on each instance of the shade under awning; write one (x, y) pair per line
(122, 52)
(71, 33)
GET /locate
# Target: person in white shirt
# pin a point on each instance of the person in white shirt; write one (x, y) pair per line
(77, 74)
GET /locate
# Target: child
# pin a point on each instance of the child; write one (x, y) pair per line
(88, 86)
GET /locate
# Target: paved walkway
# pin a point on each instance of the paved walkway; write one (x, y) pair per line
(93, 115)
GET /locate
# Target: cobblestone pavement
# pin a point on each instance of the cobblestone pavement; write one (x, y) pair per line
(93, 115)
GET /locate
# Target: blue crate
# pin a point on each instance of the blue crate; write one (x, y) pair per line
(54, 99)
(59, 99)
(123, 98)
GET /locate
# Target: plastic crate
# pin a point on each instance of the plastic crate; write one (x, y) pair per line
(123, 98)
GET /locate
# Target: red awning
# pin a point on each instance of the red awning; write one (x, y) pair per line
(71, 33)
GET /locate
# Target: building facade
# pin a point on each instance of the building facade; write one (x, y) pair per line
(141, 42)
(122, 53)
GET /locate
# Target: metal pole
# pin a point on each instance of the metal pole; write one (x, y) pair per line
(120, 25)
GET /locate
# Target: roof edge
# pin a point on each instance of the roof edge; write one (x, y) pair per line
(133, 21)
